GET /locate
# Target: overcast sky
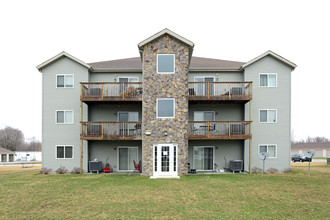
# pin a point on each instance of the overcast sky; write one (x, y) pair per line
(34, 31)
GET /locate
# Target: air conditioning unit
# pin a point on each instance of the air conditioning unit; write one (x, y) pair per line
(236, 165)
(95, 166)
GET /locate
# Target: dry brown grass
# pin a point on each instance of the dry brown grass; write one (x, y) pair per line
(11, 169)
(305, 164)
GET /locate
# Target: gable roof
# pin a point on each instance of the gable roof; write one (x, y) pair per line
(60, 55)
(274, 55)
(165, 31)
(5, 151)
(135, 64)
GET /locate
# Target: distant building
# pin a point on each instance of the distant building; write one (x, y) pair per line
(28, 156)
(6, 155)
(320, 149)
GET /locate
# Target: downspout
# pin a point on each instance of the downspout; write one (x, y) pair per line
(250, 140)
(81, 141)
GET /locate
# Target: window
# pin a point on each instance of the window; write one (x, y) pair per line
(268, 116)
(203, 116)
(204, 87)
(165, 108)
(27, 154)
(203, 158)
(64, 117)
(128, 116)
(165, 63)
(64, 81)
(268, 80)
(64, 152)
(269, 148)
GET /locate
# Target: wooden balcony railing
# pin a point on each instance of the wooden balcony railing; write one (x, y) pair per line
(111, 131)
(111, 91)
(224, 130)
(220, 90)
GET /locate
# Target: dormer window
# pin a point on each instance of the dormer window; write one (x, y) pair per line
(165, 63)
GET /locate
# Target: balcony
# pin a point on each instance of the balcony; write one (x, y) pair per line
(111, 91)
(229, 92)
(111, 131)
(219, 130)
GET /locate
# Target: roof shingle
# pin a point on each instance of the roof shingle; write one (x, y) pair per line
(196, 63)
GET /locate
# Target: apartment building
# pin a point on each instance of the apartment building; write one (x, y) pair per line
(168, 109)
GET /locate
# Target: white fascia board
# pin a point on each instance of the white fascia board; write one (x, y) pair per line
(271, 53)
(60, 55)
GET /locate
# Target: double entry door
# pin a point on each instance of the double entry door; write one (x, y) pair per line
(165, 160)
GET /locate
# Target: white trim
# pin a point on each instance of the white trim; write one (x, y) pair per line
(203, 157)
(165, 31)
(128, 77)
(267, 122)
(128, 113)
(165, 99)
(49, 61)
(205, 111)
(127, 161)
(64, 81)
(271, 53)
(64, 123)
(267, 149)
(268, 80)
(171, 173)
(173, 63)
(64, 145)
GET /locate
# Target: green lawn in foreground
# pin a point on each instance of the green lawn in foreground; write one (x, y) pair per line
(29, 195)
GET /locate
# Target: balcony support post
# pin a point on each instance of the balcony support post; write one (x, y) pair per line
(208, 90)
(123, 91)
(250, 140)
(229, 129)
(123, 129)
(102, 129)
(208, 129)
(102, 91)
(229, 91)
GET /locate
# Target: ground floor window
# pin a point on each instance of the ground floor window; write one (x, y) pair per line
(203, 158)
(269, 148)
(126, 158)
(3, 157)
(64, 152)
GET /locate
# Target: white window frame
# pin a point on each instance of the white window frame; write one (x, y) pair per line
(128, 114)
(173, 64)
(267, 149)
(267, 79)
(64, 145)
(268, 122)
(64, 123)
(118, 157)
(165, 99)
(193, 163)
(129, 77)
(64, 81)
(204, 112)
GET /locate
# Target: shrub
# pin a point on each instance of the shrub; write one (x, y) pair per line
(256, 170)
(75, 170)
(61, 170)
(288, 170)
(45, 170)
(272, 170)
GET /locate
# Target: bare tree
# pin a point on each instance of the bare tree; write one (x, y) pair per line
(314, 140)
(33, 144)
(11, 138)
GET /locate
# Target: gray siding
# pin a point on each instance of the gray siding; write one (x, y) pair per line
(61, 99)
(110, 112)
(112, 77)
(101, 150)
(218, 76)
(223, 112)
(232, 150)
(271, 98)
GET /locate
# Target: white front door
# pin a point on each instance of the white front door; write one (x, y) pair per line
(165, 160)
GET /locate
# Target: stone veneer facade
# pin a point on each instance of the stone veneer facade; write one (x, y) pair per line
(165, 86)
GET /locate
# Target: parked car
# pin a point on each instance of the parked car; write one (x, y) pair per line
(300, 157)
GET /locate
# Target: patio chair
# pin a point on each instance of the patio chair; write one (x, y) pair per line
(137, 167)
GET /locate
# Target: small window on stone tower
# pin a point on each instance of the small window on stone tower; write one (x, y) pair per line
(165, 63)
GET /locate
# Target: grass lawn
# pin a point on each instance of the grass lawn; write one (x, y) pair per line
(25, 194)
